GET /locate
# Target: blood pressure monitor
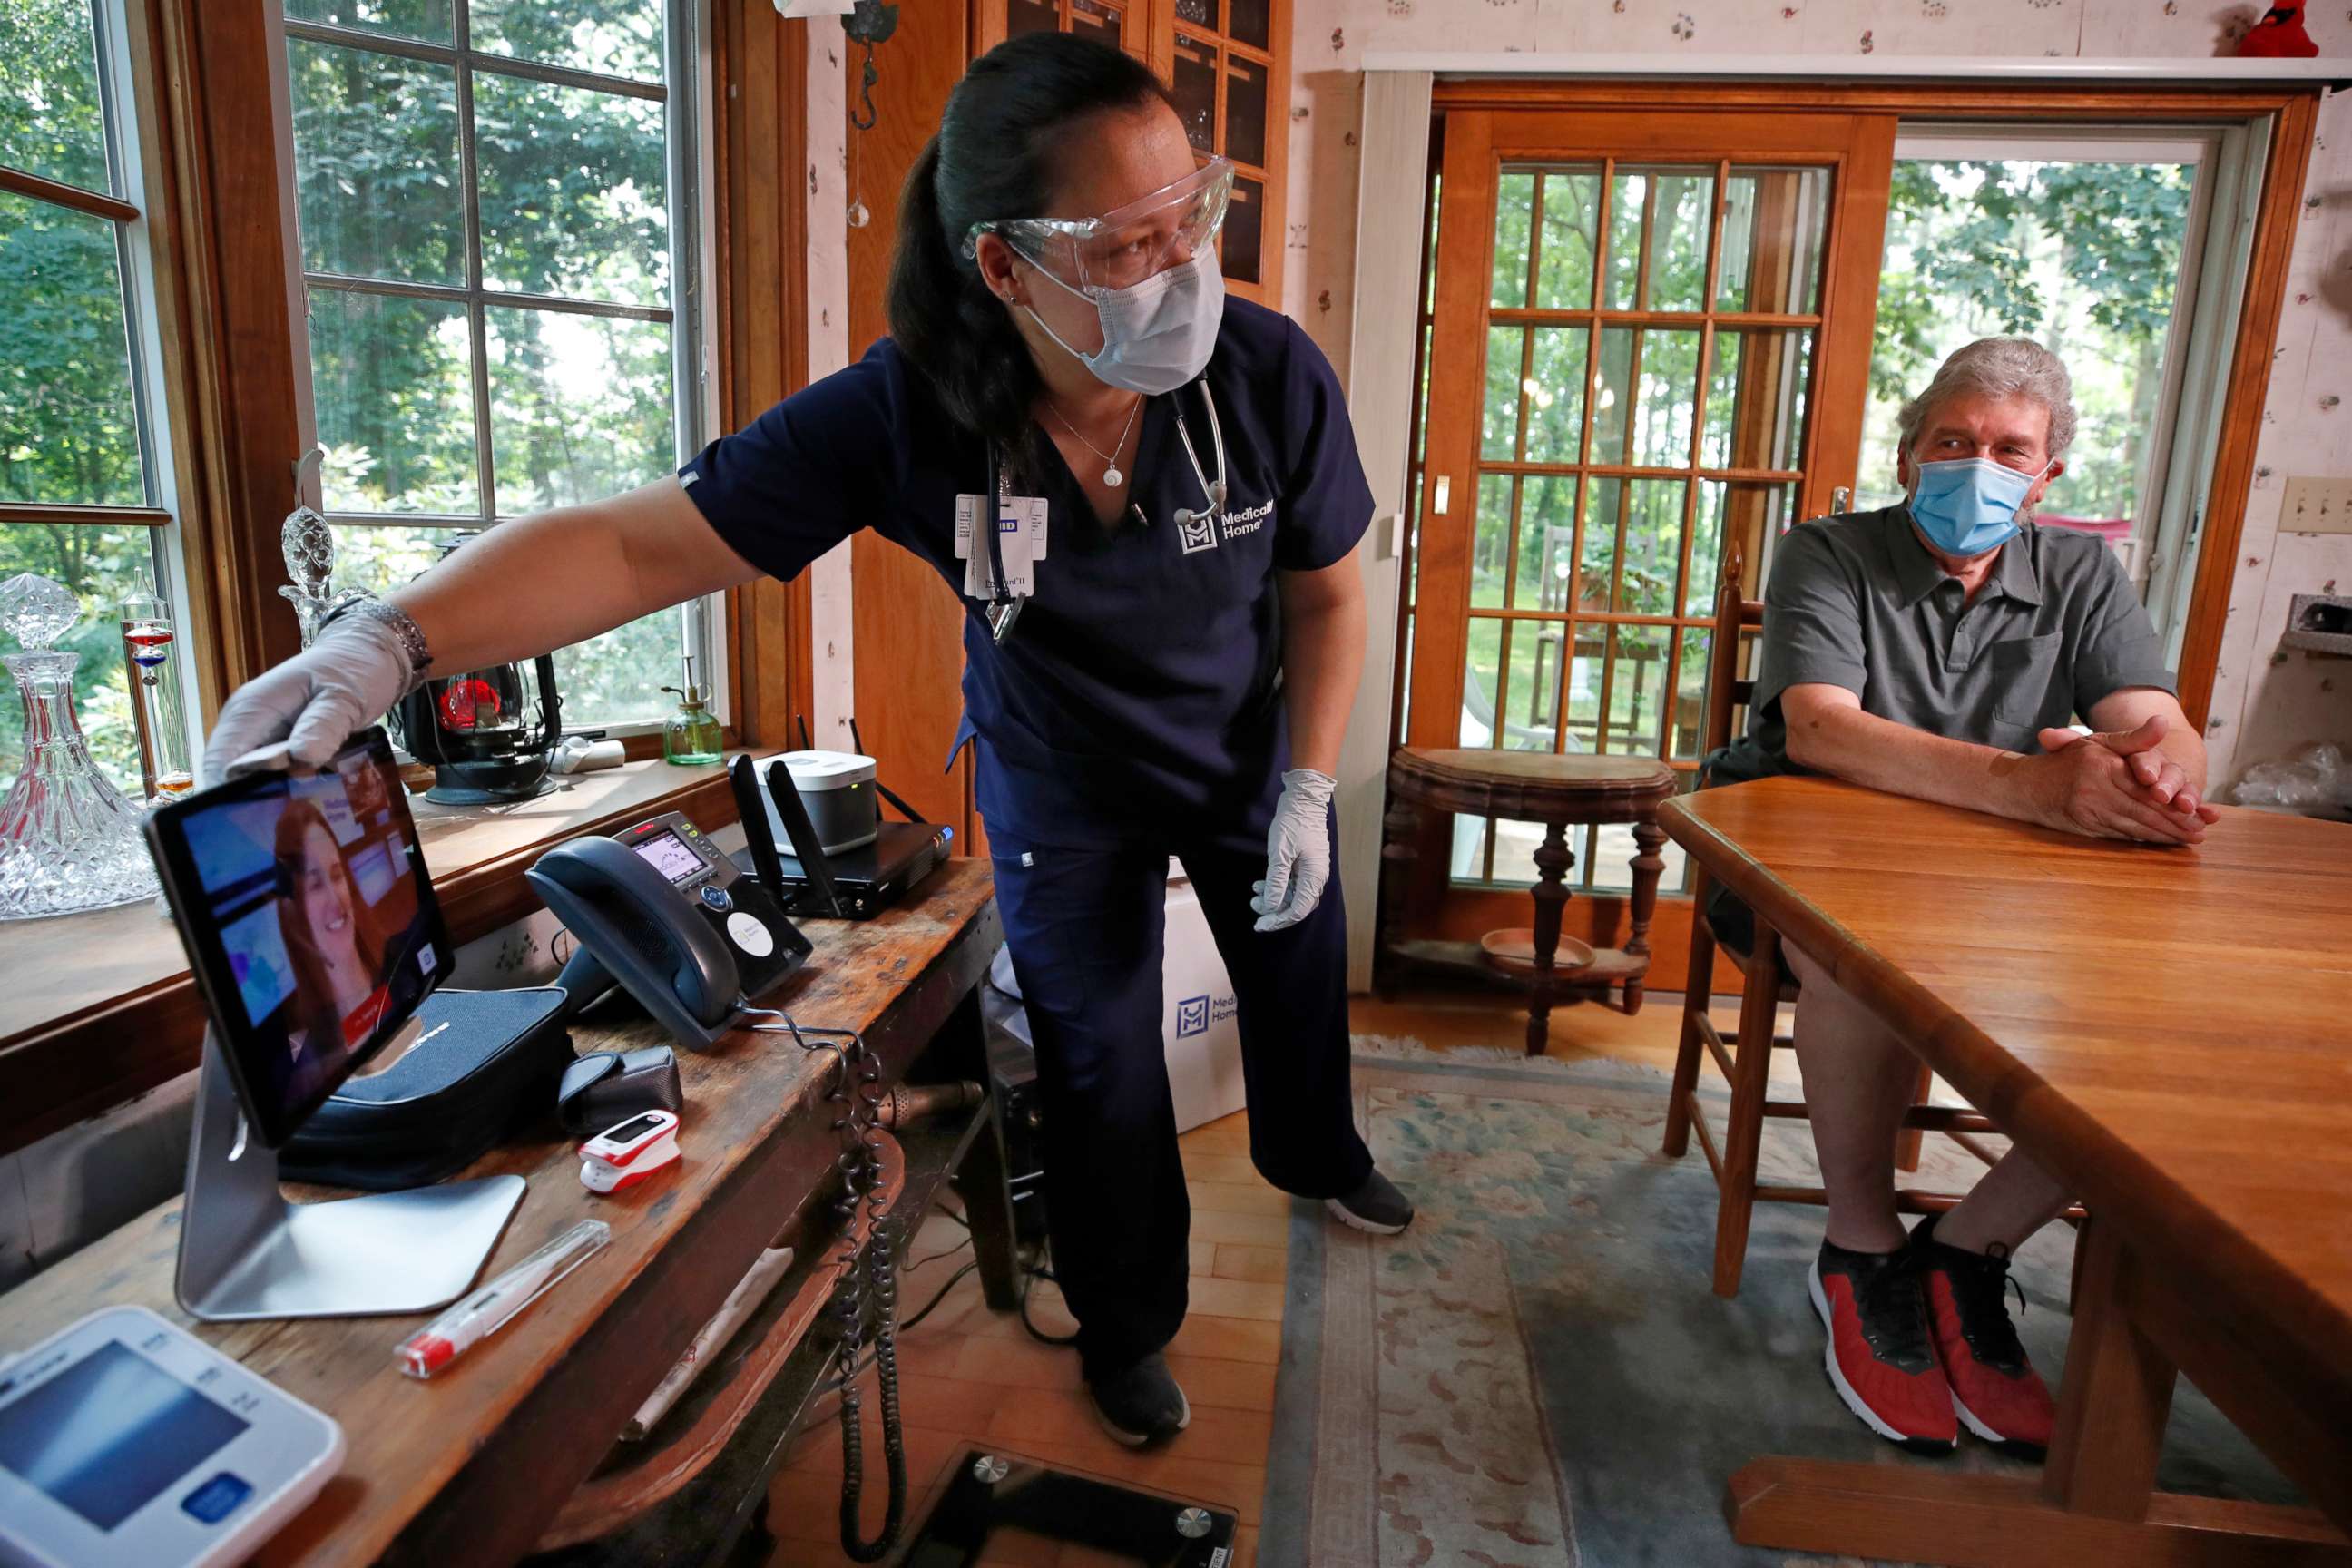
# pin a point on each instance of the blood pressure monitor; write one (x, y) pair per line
(128, 1443)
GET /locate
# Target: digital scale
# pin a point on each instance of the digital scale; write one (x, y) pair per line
(128, 1443)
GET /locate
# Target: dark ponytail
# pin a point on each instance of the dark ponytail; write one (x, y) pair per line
(994, 158)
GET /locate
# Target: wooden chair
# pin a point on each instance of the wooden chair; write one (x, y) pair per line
(1745, 1057)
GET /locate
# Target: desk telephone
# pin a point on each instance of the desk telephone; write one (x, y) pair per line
(664, 913)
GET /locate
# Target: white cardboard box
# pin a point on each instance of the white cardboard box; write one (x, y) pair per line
(1199, 1030)
(1198, 1027)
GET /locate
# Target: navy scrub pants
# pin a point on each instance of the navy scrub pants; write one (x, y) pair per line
(1085, 928)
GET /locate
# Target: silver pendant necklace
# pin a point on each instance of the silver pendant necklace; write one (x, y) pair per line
(1111, 476)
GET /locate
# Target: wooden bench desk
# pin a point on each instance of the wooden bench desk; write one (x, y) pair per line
(2168, 1032)
(470, 1467)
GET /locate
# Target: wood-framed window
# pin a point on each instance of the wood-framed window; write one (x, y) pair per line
(1227, 62)
(89, 496)
(499, 237)
(115, 1012)
(1495, 642)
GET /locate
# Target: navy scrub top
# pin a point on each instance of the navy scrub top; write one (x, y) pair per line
(1138, 694)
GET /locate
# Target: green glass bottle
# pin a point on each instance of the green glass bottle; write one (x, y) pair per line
(690, 735)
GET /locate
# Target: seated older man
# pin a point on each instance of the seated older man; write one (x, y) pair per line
(1938, 649)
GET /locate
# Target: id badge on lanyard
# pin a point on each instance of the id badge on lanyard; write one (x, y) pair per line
(1005, 573)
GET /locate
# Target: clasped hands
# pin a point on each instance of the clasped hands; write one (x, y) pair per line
(2118, 785)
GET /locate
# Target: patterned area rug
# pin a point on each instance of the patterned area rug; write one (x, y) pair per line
(1537, 1374)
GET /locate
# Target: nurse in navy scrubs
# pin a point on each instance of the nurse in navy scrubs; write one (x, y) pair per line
(1163, 666)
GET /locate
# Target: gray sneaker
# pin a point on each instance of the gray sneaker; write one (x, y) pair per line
(1376, 1207)
(1141, 1404)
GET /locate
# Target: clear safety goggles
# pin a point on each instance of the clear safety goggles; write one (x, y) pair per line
(1122, 248)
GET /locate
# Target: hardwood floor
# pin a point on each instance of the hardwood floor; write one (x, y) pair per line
(1587, 1031)
(972, 1378)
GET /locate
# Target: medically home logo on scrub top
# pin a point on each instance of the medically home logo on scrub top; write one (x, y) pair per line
(1194, 1014)
(1249, 519)
(1203, 532)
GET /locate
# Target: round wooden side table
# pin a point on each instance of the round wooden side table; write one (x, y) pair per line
(1525, 786)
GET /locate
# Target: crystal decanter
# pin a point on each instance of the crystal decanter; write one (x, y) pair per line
(68, 839)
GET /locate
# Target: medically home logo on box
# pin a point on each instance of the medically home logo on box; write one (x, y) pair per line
(1195, 1013)
(1197, 536)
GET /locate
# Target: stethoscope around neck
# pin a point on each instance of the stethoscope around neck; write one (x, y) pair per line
(1004, 606)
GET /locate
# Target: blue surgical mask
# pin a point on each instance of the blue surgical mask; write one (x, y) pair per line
(1970, 505)
(1157, 334)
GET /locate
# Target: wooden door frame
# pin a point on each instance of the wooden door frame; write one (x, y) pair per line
(1857, 149)
(2246, 391)
(1477, 144)
(2292, 111)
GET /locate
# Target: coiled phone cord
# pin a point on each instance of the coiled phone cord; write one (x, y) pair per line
(858, 1089)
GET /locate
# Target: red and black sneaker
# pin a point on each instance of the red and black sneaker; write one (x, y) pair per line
(1995, 1389)
(1880, 1358)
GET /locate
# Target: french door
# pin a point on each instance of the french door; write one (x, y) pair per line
(1649, 348)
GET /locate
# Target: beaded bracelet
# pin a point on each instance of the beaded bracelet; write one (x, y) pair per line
(395, 620)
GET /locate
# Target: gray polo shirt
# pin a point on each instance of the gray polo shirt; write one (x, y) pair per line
(1858, 602)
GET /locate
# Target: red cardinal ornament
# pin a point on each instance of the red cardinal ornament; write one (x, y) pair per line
(2279, 35)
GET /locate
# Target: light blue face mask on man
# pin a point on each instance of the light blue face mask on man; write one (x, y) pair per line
(1970, 505)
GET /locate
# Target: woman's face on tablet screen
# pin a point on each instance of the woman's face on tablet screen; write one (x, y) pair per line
(325, 890)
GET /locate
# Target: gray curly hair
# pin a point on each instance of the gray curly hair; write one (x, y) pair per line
(2000, 367)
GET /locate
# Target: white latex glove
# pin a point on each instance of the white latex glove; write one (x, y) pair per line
(316, 701)
(1297, 851)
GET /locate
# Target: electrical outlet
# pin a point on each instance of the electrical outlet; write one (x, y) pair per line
(2317, 506)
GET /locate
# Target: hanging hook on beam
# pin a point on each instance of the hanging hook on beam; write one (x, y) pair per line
(865, 94)
(871, 22)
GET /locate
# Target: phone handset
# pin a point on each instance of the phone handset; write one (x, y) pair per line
(639, 926)
(660, 910)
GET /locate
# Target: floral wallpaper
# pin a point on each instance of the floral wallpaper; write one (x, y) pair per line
(2266, 701)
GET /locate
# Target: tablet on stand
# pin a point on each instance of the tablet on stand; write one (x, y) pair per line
(246, 1252)
(313, 933)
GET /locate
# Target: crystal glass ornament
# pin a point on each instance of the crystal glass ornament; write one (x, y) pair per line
(309, 541)
(68, 840)
(148, 635)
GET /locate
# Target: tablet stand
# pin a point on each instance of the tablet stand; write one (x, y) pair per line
(246, 1252)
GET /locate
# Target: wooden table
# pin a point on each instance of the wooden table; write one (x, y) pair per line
(469, 1468)
(2169, 1032)
(1524, 786)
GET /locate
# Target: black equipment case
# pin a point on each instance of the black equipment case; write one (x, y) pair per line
(487, 1062)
